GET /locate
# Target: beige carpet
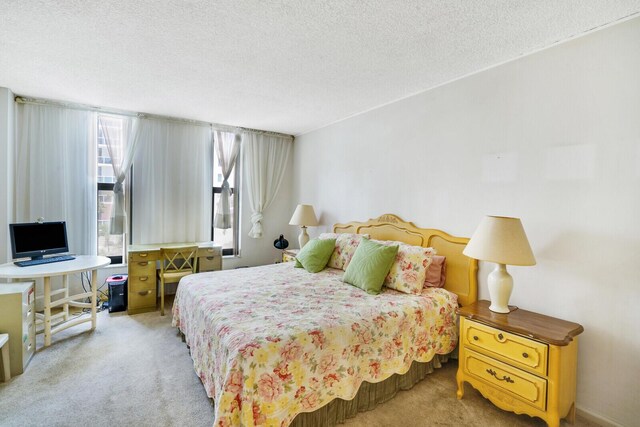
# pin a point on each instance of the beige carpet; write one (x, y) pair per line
(135, 370)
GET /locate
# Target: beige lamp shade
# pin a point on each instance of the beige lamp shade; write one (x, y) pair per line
(501, 240)
(304, 215)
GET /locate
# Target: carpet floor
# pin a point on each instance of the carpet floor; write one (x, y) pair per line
(136, 371)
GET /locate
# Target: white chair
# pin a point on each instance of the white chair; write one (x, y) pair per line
(4, 345)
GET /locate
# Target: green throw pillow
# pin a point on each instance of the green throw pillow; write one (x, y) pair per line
(315, 255)
(369, 266)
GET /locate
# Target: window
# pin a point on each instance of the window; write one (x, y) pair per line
(228, 238)
(110, 245)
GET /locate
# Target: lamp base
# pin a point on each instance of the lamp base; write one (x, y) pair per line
(500, 285)
(303, 238)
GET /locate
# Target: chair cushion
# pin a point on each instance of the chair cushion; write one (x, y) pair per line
(174, 277)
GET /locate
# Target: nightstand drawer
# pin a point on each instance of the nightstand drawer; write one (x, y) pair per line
(520, 384)
(519, 351)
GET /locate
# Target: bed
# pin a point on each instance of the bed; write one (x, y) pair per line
(276, 345)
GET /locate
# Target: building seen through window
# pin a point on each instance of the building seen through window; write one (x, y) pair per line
(109, 245)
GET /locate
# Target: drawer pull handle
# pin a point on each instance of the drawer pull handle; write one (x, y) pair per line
(500, 336)
(210, 258)
(495, 375)
(144, 263)
(525, 355)
(475, 338)
(144, 292)
(143, 278)
(142, 255)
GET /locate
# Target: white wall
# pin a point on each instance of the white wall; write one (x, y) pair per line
(553, 138)
(6, 170)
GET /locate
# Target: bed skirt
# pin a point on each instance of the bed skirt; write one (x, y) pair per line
(368, 397)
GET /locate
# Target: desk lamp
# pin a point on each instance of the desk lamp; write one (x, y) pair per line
(501, 240)
(303, 216)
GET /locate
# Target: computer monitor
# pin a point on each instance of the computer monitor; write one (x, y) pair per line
(37, 239)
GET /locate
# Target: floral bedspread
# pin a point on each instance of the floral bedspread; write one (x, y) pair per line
(271, 342)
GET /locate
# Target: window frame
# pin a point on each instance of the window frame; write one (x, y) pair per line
(108, 186)
(235, 250)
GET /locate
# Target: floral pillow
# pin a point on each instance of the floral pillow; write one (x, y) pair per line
(346, 245)
(408, 272)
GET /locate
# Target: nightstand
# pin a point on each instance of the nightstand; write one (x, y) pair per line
(289, 254)
(522, 361)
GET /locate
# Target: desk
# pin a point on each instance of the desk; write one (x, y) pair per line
(142, 266)
(81, 264)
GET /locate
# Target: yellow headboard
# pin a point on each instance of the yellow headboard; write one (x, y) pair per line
(462, 271)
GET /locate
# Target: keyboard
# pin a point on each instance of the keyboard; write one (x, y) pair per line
(30, 262)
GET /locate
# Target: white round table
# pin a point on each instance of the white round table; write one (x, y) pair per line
(80, 264)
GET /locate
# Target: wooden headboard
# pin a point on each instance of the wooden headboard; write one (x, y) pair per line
(462, 271)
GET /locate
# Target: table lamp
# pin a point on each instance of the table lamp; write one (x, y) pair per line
(501, 240)
(303, 216)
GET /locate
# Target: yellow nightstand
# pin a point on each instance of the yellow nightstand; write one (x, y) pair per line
(523, 362)
(289, 254)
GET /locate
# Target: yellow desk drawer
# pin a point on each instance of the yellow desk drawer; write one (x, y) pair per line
(209, 263)
(142, 268)
(513, 349)
(520, 384)
(142, 283)
(142, 298)
(142, 294)
(143, 256)
(209, 252)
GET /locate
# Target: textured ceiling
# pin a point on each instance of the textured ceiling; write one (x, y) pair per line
(287, 66)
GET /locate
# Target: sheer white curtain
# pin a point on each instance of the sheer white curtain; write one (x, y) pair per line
(264, 160)
(55, 164)
(227, 147)
(121, 143)
(172, 183)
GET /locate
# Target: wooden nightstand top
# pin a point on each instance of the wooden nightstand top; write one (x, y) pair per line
(537, 326)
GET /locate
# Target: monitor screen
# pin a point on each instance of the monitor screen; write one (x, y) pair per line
(37, 239)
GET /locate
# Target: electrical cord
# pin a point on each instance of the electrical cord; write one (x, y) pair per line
(101, 295)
